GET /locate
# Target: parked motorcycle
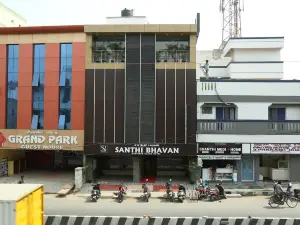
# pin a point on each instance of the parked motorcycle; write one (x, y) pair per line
(121, 193)
(202, 191)
(95, 195)
(170, 195)
(146, 193)
(145, 196)
(181, 194)
(217, 193)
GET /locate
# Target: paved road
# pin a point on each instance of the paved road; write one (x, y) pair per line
(239, 207)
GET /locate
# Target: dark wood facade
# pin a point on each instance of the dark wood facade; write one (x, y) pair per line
(105, 107)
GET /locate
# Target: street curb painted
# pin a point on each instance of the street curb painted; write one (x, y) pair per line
(147, 219)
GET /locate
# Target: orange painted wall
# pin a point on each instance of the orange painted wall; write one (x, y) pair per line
(78, 86)
(3, 59)
(51, 92)
(25, 86)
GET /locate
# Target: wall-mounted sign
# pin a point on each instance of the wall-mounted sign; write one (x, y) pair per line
(220, 157)
(72, 140)
(275, 149)
(143, 149)
(219, 149)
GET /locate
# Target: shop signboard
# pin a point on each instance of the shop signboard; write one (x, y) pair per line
(143, 149)
(72, 140)
(220, 157)
(219, 149)
(275, 149)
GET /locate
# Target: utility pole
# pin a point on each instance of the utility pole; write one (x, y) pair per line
(232, 24)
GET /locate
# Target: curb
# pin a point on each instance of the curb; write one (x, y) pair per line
(137, 198)
(146, 219)
(242, 193)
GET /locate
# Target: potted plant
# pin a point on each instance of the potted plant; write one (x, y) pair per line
(192, 168)
(172, 51)
(99, 53)
(158, 56)
(183, 53)
(117, 51)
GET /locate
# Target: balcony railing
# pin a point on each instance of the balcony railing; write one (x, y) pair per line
(173, 56)
(249, 127)
(109, 56)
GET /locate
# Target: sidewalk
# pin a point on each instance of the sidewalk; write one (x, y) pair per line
(52, 181)
(157, 189)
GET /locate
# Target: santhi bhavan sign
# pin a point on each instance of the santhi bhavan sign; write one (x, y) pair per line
(72, 140)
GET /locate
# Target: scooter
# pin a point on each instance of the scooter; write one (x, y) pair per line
(181, 194)
(95, 195)
(145, 196)
(170, 195)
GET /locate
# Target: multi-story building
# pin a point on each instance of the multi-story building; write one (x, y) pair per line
(42, 72)
(128, 84)
(248, 118)
(140, 98)
(9, 18)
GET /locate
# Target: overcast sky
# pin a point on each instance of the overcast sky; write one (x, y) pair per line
(260, 18)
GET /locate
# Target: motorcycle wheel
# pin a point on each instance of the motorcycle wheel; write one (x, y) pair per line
(291, 202)
(212, 198)
(120, 199)
(94, 199)
(273, 203)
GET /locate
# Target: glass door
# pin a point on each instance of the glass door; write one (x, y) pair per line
(247, 168)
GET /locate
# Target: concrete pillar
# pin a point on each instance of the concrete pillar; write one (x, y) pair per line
(88, 164)
(137, 169)
(295, 168)
(256, 168)
(78, 178)
(239, 170)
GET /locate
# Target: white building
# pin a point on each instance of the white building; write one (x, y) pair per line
(243, 103)
(9, 18)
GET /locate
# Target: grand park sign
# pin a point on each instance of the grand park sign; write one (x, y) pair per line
(42, 139)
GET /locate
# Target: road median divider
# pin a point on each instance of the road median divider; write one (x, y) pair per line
(148, 219)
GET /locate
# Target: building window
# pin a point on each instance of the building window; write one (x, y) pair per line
(108, 49)
(12, 86)
(206, 110)
(65, 87)
(38, 81)
(277, 114)
(225, 113)
(171, 48)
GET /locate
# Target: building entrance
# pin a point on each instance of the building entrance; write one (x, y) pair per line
(150, 165)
